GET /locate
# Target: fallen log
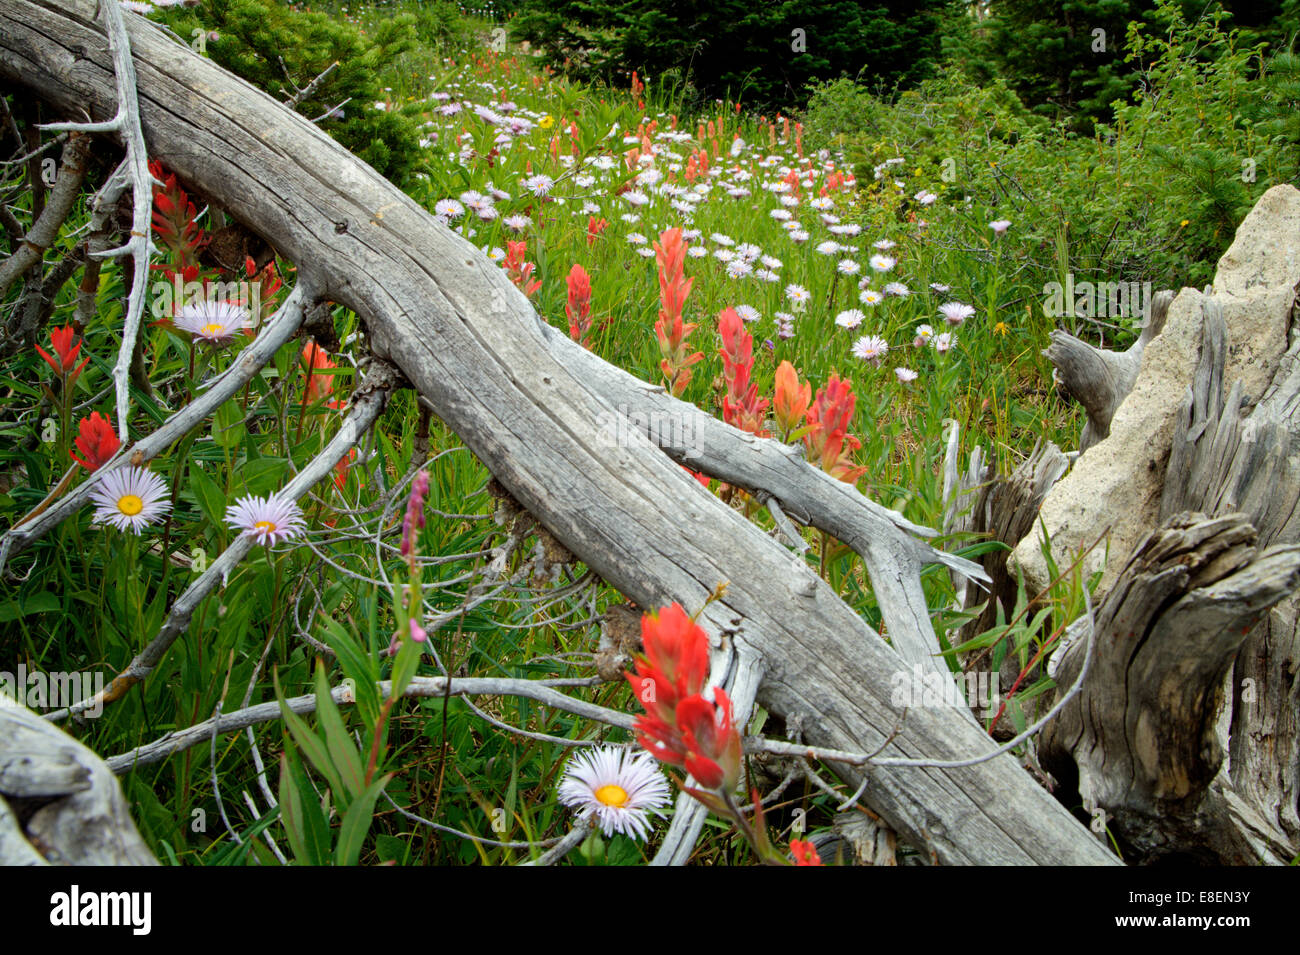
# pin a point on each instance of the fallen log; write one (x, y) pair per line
(59, 803)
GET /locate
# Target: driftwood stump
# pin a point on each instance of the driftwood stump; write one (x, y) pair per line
(59, 803)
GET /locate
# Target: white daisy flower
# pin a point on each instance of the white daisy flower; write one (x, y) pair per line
(130, 499)
(925, 198)
(697, 251)
(748, 251)
(905, 374)
(870, 348)
(636, 198)
(798, 235)
(944, 342)
(1000, 226)
(719, 239)
(954, 313)
(448, 209)
(723, 255)
(517, 223)
(781, 215)
(748, 313)
(216, 323)
(270, 519)
(884, 245)
(848, 267)
(897, 288)
(870, 297)
(766, 275)
(849, 318)
(772, 262)
(618, 788)
(883, 263)
(829, 247)
(739, 269)
(636, 238)
(798, 295)
(940, 287)
(538, 185)
(923, 335)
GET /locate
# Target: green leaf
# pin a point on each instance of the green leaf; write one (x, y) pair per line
(356, 823)
(211, 499)
(308, 741)
(343, 752)
(228, 425)
(304, 821)
(358, 666)
(43, 602)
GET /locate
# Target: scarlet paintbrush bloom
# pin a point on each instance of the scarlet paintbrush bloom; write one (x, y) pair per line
(684, 724)
(65, 365)
(594, 228)
(316, 361)
(790, 400)
(712, 748)
(97, 442)
(829, 444)
(578, 308)
(520, 272)
(674, 286)
(741, 406)
(173, 220)
(804, 853)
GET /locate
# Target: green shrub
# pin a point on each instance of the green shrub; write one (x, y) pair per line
(280, 50)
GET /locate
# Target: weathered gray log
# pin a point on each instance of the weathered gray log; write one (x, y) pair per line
(1099, 379)
(59, 803)
(472, 345)
(1223, 461)
(1142, 736)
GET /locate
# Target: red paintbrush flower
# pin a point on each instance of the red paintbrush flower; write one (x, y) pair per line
(741, 406)
(684, 724)
(804, 853)
(578, 308)
(670, 330)
(65, 366)
(97, 441)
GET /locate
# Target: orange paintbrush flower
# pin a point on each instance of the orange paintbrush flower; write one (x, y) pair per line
(578, 308)
(790, 400)
(670, 251)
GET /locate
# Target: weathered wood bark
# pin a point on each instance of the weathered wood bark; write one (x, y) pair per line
(1222, 461)
(1144, 741)
(59, 803)
(472, 345)
(1141, 738)
(1100, 379)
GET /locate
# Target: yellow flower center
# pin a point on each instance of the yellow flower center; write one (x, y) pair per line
(130, 504)
(611, 795)
(267, 526)
(215, 329)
